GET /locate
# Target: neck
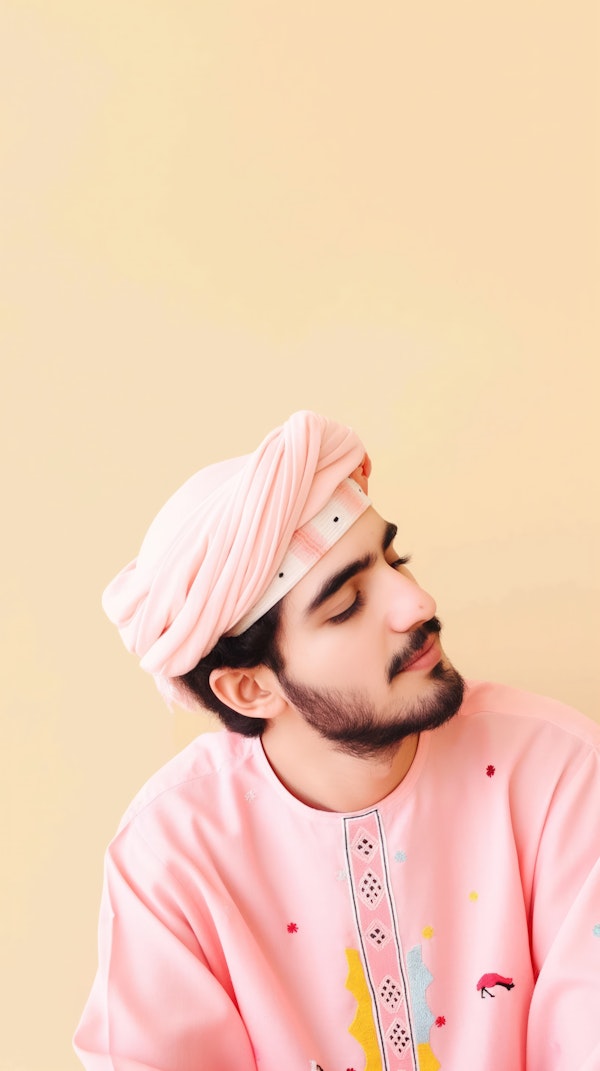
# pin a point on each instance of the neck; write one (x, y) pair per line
(321, 776)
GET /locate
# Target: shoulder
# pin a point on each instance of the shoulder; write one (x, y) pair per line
(518, 753)
(522, 713)
(212, 764)
(524, 735)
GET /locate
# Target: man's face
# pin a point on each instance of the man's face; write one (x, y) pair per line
(360, 643)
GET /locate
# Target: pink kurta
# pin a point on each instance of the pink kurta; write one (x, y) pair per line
(454, 925)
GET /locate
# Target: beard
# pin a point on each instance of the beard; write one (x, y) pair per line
(356, 727)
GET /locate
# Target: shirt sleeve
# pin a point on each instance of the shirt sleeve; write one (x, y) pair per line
(155, 1004)
(564, 1018)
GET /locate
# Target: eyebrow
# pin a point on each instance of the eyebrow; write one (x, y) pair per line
(333, 584)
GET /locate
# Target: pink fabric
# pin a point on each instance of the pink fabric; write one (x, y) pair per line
(215, 546)
(244, 931)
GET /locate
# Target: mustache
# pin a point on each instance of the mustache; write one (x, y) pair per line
(418, 638)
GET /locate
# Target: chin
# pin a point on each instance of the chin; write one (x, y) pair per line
(354, 725)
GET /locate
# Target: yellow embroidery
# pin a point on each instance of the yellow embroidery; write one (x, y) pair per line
(363, 1025)
(427, 1061)
(428, 932)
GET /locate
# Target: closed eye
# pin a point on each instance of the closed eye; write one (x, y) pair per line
(349, 612)
(399, 562)
(359, 599)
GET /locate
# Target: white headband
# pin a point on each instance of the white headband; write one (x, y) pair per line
(308, 544)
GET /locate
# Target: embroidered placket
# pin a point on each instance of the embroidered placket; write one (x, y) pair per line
(380, 943)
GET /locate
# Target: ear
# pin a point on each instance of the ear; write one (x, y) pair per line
(254, 692)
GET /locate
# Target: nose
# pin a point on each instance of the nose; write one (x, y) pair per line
(409, 604)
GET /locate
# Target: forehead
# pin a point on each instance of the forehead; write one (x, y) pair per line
(364, 537)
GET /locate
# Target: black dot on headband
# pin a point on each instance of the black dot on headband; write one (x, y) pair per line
(335, 519)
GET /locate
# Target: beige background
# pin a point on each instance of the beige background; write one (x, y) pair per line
(217, 213)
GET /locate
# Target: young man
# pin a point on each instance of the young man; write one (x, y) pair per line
(378, 866)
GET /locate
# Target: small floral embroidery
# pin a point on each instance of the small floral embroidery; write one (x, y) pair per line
(400, 857)
(490, 770)
(441, 1020)
(250, 795)
(473, 896)
(428, 932)
(596, 930)
(292, 927)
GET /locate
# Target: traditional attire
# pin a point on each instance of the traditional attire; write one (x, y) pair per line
(454, 925)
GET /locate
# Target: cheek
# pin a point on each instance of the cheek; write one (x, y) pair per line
(339, 657)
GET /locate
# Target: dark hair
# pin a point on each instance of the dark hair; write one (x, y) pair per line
(254, 647)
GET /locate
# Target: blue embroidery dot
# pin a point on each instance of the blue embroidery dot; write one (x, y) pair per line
(596, 930)
(400, 857)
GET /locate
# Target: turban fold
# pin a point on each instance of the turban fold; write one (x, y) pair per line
(212, 551)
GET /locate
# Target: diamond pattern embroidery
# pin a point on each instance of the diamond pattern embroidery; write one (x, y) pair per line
(398, 1037)
(377, 934)
(369, 886)
(390, 993)
(370, 889)
(363, 845)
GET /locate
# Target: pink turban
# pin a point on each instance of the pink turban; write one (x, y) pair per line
(213, 550)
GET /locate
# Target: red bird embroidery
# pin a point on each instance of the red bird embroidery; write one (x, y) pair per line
(488, 981)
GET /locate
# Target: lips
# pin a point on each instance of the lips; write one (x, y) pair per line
(422, 653)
